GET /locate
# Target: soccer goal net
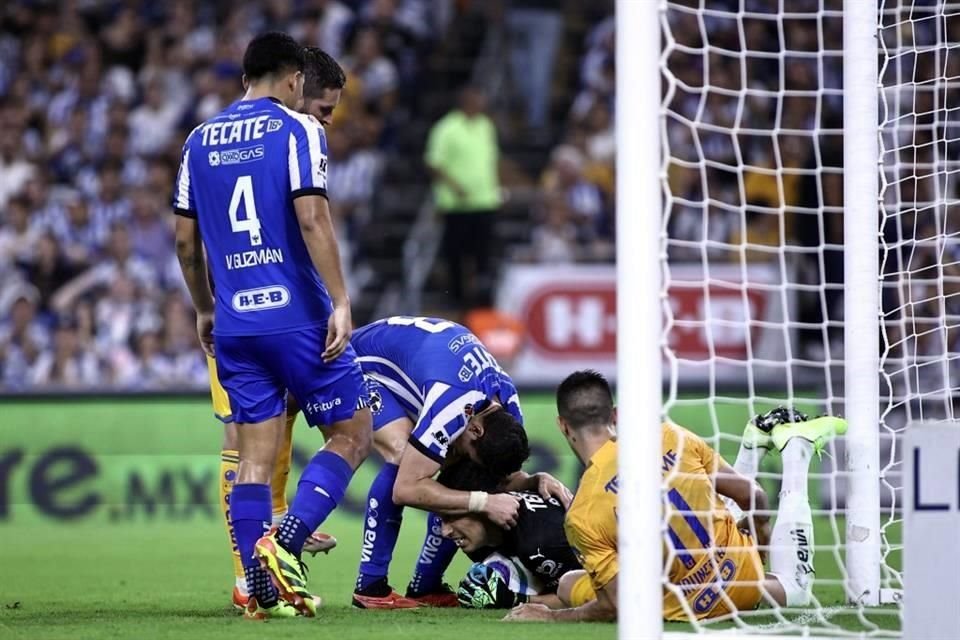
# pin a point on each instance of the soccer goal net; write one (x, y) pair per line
(808, 256)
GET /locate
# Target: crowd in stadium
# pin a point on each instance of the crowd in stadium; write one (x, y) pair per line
(97, 98)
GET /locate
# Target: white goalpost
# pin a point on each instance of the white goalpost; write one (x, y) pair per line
(788, 232)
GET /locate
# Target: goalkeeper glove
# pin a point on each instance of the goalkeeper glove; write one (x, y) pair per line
(484, 588)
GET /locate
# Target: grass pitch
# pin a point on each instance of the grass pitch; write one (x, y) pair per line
(147, 559)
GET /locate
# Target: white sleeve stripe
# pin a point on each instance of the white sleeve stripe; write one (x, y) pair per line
(412, 387)
(294, 161)
(316, 153)
(454, 409)
(436, 390)
(396, 388)
(311, 127)
(183, 185)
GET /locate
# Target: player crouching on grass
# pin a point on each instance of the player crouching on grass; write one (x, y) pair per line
(713, 562)
(537, 544)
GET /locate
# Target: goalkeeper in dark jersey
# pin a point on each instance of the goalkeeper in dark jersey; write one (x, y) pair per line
(536, 549)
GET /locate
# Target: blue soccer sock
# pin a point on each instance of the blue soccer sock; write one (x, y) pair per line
(435, 556)
(381, 527)
(321, 487)
(250, 512)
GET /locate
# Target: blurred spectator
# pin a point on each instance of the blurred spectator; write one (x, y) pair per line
(18, 236)
(22, 338)
(70, 363)
(555, 239)
(325, 25)
(151, 232)
(154, 121)
(47, 269)
(463, 156)
(535, 29)
(76, 229)
(15, 171)
(565, 177)
(377, 73)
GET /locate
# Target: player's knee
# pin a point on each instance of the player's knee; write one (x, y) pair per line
(389, 447)
(565, 587)
(231, 441)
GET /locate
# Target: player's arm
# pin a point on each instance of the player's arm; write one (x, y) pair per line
(308, 188)
(543, 483)
(313, 215)
(749, 496)
(416, 487)
(603, 609)
(189, 245)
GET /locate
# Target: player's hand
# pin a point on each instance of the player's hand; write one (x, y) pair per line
(529, 612)
(550, 487)
(339, 328)
(205, 332)
(484, 588)
(502, 509)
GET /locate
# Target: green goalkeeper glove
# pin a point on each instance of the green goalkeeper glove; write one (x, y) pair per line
(484, 588)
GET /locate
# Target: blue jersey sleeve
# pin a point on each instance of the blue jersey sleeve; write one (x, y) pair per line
(442, 419)
(307, 157)
(184, 203)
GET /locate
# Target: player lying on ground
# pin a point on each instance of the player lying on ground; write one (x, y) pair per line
(433, 384)
(282, 315)
(323, 82)
(524, 564)
(713, 563)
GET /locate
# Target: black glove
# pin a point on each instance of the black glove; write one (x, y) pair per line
(484, 588)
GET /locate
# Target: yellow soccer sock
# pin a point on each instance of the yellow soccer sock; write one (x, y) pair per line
(229, 461)
(281, 470)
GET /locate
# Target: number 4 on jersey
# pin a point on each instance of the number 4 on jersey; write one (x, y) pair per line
(243, 194)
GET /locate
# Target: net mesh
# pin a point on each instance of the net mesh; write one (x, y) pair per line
(753, 270)
(919, 251)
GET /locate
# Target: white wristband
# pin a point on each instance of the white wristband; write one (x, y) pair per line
(478, 501)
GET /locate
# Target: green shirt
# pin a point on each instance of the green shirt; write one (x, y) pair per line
(466, 150)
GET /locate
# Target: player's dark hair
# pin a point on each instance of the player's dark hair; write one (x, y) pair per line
(467, 475)
(321, 72)
(503, 447)
(584, 399)
(272, 52)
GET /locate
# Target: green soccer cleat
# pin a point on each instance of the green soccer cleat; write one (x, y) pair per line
(819, 431)
(288, 574)
(757, 433)
(283, 609)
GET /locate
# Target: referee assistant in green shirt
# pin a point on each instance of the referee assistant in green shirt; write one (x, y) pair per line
(463, 156)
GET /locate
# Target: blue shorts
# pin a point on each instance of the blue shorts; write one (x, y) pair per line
(385, 406)
(257, 372)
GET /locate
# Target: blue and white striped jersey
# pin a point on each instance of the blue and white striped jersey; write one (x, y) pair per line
(239, 175)
(438, 371)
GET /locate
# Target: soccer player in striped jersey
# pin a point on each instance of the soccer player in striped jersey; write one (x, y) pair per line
(713, 561)
(323, 82)
(252, 183)
(438, 395)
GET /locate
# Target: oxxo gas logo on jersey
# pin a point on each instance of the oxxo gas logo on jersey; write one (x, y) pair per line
(272, 297)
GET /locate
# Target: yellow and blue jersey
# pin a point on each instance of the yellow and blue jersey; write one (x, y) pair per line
(712, 567)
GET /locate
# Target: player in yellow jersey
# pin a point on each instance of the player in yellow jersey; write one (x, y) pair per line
(324, 80)
(714, 567)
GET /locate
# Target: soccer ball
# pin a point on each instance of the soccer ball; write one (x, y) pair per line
(517, 577)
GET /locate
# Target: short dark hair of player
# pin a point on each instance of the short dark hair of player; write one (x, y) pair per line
(503, 447)
(321, 72)
(584, 399)
(270, 53)
(467, 475)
